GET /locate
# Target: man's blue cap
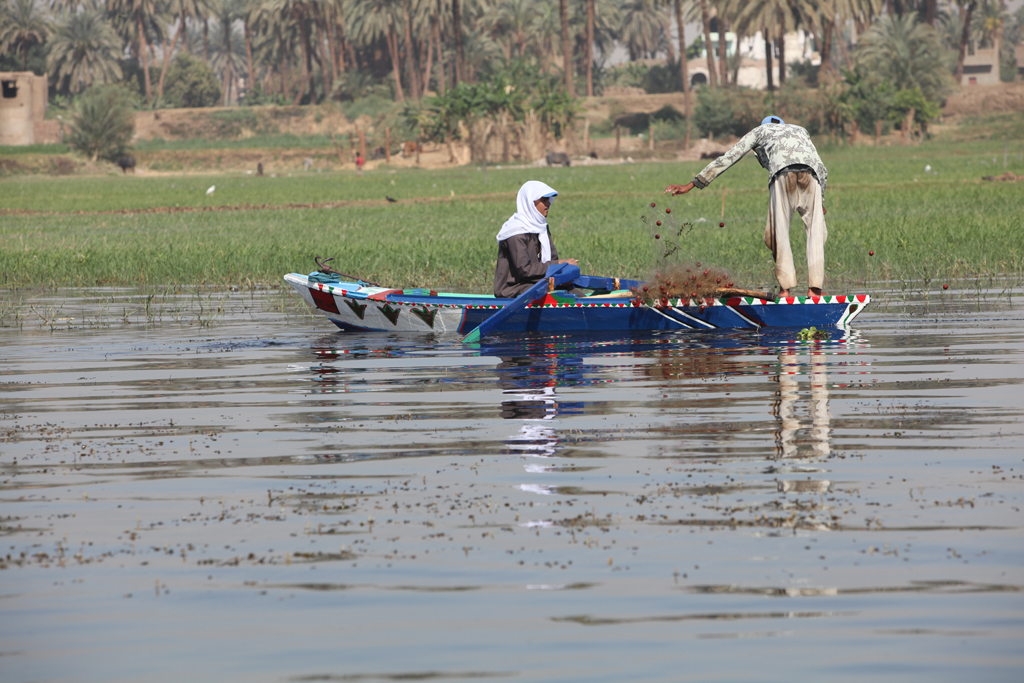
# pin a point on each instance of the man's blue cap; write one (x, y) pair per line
(549, 195)
(772, 119)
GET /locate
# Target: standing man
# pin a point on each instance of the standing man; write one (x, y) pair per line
(796, 182)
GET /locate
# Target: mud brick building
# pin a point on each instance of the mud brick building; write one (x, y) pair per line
(23, 100)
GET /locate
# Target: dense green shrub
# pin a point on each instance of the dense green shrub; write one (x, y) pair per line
(103, 122)
(869, 97)
(191, 83)
(729, 112)
(662, 78)
(912, 98)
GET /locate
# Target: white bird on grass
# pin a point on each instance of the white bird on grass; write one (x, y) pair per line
(210, 191)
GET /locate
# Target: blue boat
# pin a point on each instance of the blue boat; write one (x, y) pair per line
(359, 307)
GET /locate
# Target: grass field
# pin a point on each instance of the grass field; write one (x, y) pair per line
(165, 230)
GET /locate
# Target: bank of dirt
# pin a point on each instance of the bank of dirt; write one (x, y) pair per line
(979, 100)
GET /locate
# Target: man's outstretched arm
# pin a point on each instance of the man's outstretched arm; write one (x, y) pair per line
(678, 189)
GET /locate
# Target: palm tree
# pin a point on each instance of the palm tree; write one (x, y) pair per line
(457, 28)
(199, 9)
(247, 14)
(641, 28)
(776, 18)
(302, 13)
(683, 68)
(987, 23)
(546, 32)
(699, 12)
(275, 41)
(705, 18)
(590, 47)
(139, 11)
(836, 13)
(513, 20)
(563, 14)
(373, 20)
(726, 11)
(227, 51)
(965, 37)
(22, 23)
(907, 53)
(83, 50)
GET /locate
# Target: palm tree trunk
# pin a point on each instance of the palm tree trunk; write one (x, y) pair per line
(709, 48)
(684, 69)
(931, 8)
(227, 60)
(457, 27)
(410, 64)
(206, 41)
(167, 57)
(142, 53)
(842, 48)
(306, 47)
(826, 46)
(671, 50)
(325, 44)
(723, 65)
(781, 42)
(395, 63)
(590, 48)
(964, 37)
(248, 53)
(339, 27)
(283, 66)
(443, 81)
(430, 55)
(307, 64)
(768, 49)
(563, 13)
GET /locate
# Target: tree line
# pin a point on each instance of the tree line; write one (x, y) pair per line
(303, 51)
(511, 70)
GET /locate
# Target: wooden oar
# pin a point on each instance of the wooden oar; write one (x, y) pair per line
(562, 273)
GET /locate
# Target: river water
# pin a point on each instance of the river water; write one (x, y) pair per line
(238, 492)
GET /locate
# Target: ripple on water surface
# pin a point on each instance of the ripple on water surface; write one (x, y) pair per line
(284, 502)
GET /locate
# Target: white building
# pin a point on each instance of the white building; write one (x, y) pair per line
(753, 71)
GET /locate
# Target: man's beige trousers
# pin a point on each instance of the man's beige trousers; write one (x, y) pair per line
(788, 192)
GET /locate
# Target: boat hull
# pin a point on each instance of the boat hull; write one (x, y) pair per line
(356, 308)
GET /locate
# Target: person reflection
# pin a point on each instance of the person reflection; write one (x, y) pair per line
(529, 386)
(816, 422)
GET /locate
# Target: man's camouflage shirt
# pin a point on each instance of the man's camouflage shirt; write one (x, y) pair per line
(777, 145)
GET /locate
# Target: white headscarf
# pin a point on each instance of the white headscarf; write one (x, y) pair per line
(528, 219)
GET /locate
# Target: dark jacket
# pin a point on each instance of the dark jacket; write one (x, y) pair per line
(519, 264)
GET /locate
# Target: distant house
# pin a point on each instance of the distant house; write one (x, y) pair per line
(1019, 52)
(752, 72)
(23, 101)
(981, 68)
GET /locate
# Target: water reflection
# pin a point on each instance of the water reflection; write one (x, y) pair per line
(528, 385)
(816, 419)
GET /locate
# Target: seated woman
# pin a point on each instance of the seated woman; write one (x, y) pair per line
(525, 248)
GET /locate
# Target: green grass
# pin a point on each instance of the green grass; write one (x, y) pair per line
(269, 141)
(6, 150)
(922, 227)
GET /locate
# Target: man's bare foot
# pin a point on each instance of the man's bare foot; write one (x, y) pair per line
(814, 291)
(782, 294)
